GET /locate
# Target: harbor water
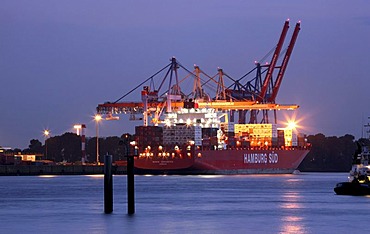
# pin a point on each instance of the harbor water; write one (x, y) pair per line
(303, 203)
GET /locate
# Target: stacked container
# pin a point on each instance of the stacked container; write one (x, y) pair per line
(290, 137)
(149, 135)
(209, 137)
(181, 134)
(281, 138)
(259, 135)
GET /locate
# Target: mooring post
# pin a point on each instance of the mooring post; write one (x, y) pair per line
(130, 185)
(108, 185)
(131, 152)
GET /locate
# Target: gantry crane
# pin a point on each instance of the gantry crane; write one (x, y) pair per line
(254, 97)
(264, 90)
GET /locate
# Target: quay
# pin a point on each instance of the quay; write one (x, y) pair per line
(32, 170)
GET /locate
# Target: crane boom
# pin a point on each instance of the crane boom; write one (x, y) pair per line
(273, 61)
(138, 107)
(197, 87)
(220, 93)
(285, 63)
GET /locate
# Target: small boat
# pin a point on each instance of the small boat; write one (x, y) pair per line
(359, 177)
(351, 188)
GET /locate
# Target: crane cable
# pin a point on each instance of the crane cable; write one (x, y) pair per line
(132, 90)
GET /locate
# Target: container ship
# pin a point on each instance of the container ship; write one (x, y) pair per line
(189, 148)
(214, 127)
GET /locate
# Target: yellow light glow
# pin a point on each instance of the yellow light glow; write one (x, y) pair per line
(297, 120)
(292, 125)
(77, 126)
(46, 133)
(97, 118)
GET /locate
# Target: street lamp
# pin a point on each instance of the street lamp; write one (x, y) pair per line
(46, 135)
(97, 118)
(78, 128)
(80, 131)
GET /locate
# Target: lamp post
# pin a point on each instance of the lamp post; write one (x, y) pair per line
(46, 135)
(97, 118)
(78, 128)
(80, 131)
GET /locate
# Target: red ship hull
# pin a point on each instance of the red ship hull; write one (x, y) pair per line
(236, 161)
(163, 164)
(249, 161)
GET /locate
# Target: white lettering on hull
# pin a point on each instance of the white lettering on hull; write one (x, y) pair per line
(162, 162)
(261, 158)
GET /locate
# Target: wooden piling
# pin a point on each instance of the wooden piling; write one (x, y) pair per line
(130, 185)
(108, 185)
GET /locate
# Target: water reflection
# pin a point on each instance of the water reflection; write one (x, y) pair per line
(291, 219)
(209, 176)
(293, 224)
(47, 176)
(95, 176)
(291, 201)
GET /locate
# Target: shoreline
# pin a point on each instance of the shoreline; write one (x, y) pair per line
(32, 170)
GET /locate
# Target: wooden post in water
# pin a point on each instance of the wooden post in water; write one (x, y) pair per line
(130, 185)
(130, 173)
(108, 185)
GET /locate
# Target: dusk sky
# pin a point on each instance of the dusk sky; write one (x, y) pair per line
(60, 59)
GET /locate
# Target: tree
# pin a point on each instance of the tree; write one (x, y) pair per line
(66, 147)
(329, 153)
(108, 145)
(35, 147)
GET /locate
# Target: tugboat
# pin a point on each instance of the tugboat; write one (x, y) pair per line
(359, 177)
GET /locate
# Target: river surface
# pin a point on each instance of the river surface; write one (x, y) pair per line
(303, 203)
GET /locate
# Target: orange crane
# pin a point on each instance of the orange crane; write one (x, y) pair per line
(273, 62)
(138, 107)
(242, 100)
(284, 64)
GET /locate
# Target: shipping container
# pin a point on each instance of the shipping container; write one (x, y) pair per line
(209, 132)
(206, 141)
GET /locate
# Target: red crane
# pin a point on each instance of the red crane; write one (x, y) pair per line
(284, 63)
(274, 59)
